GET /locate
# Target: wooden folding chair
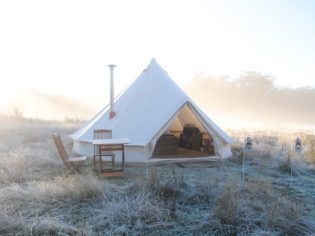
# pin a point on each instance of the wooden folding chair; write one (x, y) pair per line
(100, 150)
(72, 163)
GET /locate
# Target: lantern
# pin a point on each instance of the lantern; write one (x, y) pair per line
(248, 143)
(298, 145)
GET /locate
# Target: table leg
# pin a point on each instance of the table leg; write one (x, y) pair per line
(100, 164)
(123, 158)
(100, 159)
(94, 156)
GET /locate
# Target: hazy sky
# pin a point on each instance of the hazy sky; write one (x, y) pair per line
(63, 47)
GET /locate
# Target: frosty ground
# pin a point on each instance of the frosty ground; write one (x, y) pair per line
(207, 198)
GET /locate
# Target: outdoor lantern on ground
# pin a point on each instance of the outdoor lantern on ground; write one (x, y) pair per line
(298, 145)
(248, 143)
(247, 147)
(298, 150)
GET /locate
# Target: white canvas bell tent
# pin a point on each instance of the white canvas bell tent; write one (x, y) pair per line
(152, 105)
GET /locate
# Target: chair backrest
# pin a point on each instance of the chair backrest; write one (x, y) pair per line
(102, 134)
(61, 148)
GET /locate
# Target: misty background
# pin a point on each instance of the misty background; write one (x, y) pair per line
(251, 99)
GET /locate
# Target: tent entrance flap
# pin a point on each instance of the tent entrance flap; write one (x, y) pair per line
(184, 136)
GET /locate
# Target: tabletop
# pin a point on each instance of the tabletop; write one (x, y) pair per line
(111, 141)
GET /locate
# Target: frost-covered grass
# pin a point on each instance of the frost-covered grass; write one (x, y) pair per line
(185, 199)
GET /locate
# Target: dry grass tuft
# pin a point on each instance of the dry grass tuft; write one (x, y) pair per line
(258, 206)
(227, 206)
(33, 206)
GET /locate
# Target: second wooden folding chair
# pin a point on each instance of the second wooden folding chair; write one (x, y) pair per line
(100, 150)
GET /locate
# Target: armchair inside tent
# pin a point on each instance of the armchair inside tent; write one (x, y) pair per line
(191, 138)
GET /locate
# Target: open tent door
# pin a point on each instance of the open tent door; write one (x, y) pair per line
(184, 136)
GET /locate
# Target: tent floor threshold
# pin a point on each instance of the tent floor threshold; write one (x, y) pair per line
(111, 173)
(164, 160)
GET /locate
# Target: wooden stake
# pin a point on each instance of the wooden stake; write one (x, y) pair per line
(244, 166)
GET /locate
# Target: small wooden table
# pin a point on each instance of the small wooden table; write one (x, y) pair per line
(109, 145)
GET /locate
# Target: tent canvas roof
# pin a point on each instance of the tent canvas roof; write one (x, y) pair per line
(145, 107)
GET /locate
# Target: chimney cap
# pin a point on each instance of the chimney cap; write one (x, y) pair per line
(111, 65)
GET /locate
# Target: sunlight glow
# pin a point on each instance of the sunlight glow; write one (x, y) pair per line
(63, 47)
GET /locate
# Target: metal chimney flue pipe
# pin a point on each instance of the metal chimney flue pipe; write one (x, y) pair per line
(112, 112)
